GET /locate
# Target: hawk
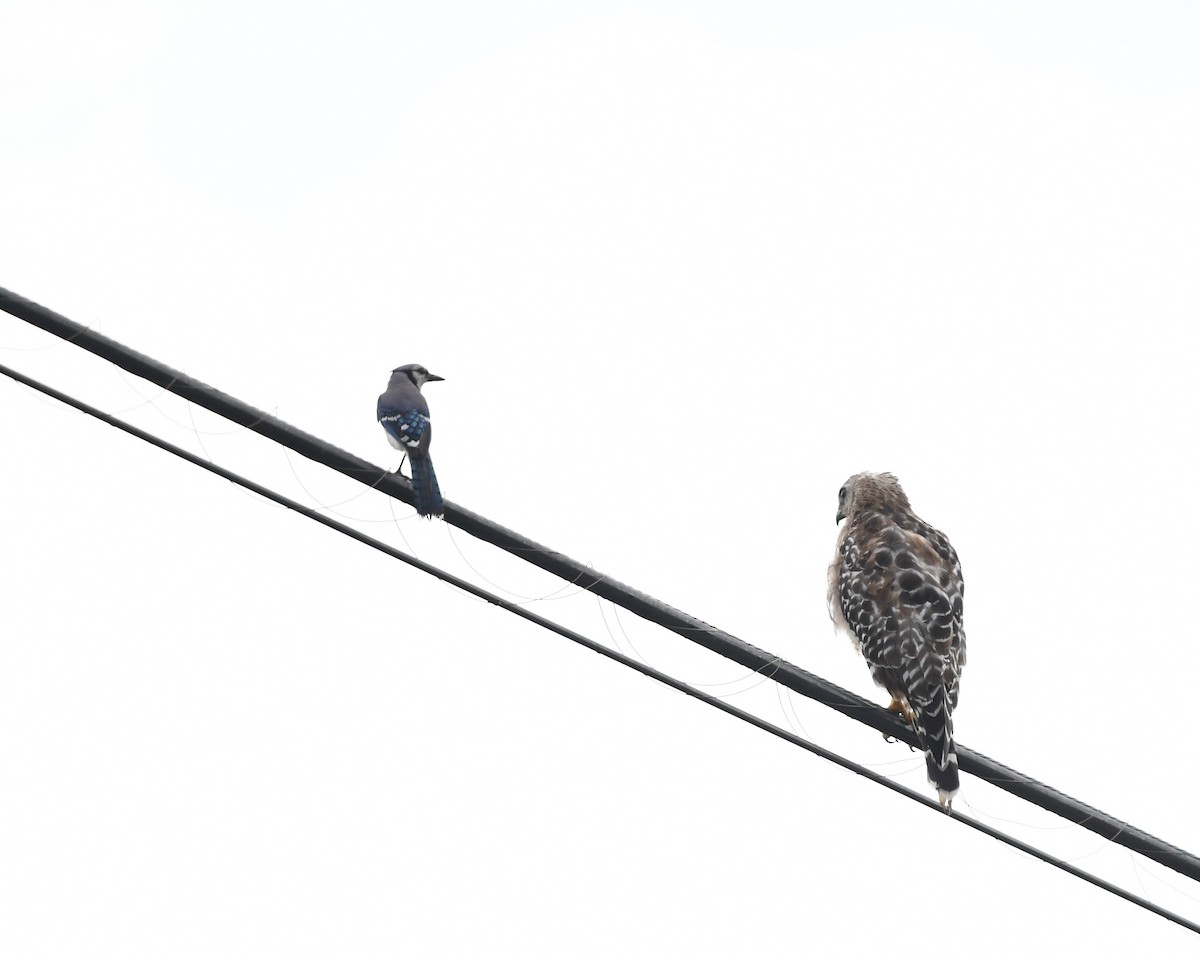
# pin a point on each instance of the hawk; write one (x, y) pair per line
(896, 588)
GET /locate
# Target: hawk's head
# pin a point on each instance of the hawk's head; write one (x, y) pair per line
(868, 491)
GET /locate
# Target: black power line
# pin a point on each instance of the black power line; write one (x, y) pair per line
(644, 606)
(580, 639)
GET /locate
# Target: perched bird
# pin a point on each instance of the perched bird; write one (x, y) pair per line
(404, 415)
(896, 587)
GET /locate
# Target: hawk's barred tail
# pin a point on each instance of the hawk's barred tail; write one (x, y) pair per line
(935, 731)
(427, 497)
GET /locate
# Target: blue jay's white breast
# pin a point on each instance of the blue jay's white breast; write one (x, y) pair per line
(395, 444)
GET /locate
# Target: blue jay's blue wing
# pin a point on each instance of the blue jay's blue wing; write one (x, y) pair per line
(406, 429)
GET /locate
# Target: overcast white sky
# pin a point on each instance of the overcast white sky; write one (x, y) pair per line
(684, 267)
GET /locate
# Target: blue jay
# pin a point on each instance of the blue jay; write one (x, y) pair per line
(404, 415)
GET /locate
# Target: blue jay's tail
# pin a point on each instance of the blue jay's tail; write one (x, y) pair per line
(427, 497)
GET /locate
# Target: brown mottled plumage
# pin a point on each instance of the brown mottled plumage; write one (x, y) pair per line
(895, 585)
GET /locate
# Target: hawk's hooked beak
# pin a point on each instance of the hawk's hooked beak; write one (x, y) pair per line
(434, 378)
(840, 517)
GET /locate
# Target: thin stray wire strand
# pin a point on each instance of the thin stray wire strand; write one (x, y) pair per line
(604, 651)
(204, 447)
(146, 400)
(793, 719)
(760, 672)
(555, 595)
(287, 456)
(396, 519)
(1149, 872)
(52, 345)
(1065, 825)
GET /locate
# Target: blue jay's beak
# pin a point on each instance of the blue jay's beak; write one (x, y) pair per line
(434, 378)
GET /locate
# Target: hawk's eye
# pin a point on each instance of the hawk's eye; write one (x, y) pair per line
(841, 494)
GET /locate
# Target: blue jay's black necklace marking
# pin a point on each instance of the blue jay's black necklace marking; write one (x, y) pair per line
(404, 415)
